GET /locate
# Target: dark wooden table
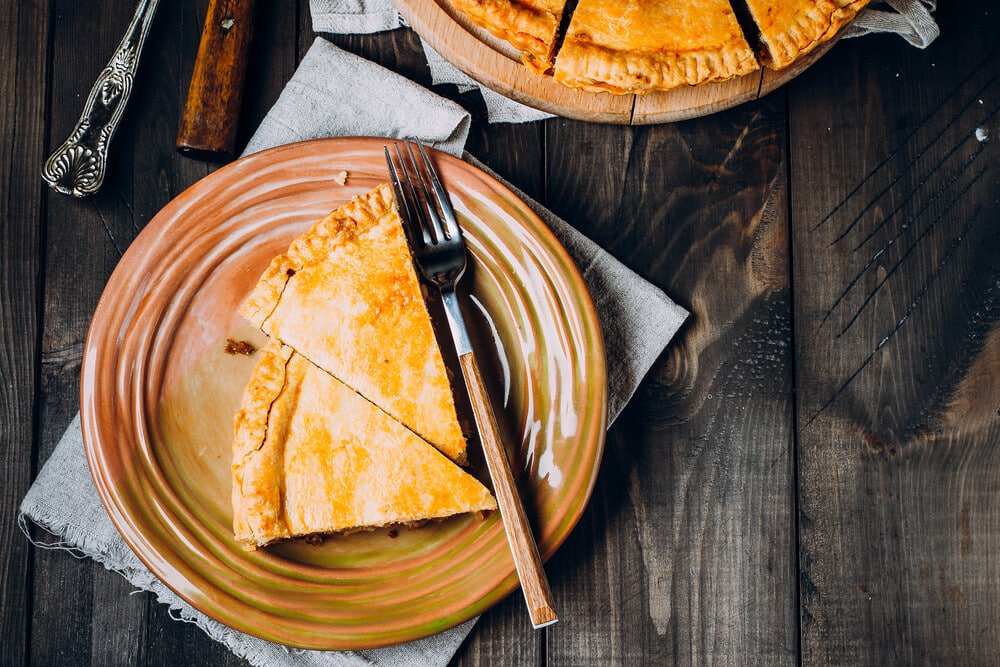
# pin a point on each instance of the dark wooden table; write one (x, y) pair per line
(811, 472)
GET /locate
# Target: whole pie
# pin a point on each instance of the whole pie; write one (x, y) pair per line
(639, 46)
(312, 456)
(345, 295)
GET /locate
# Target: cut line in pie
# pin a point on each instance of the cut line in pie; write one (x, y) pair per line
(345, 295)
(312, 457)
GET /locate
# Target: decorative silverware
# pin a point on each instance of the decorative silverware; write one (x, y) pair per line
(439, 251)
(77, 167)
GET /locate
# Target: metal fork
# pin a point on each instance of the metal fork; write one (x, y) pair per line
(439, 251)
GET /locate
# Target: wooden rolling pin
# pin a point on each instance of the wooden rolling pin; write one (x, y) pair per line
(211, 115)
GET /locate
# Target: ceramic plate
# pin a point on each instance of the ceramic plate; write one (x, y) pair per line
(159, 391)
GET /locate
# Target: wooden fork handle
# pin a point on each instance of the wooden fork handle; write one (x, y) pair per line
(522, 543)
(211, 115)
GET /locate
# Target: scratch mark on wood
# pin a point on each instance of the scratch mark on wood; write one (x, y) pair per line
(107, 229)
(940, 191)
(907, 166)
(937, 193)
(945, 259)
(906, 254)
(923, 122)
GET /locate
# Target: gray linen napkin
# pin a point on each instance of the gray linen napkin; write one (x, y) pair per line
(910, 19)
(637, 320)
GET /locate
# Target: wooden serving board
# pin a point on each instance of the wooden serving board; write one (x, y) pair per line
(497, 65)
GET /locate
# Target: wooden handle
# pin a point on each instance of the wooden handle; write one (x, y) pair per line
(211, 115)
(522, 543)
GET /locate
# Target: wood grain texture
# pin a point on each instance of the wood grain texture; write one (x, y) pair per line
(897, 275)
(692, 517)
(101, 621)
(85, 239)
(22, 113)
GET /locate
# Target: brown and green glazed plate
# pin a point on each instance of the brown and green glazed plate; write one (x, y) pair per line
(159, 391)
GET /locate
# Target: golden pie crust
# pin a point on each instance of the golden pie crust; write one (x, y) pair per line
(311, 456)
(625, 46)
(346, 296)
(789, 30)
(529, 25)
(640, 46)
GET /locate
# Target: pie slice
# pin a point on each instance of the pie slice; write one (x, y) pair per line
(311, 456)
(346, 296)
(634, 46)
(792, 28)
(529, 25)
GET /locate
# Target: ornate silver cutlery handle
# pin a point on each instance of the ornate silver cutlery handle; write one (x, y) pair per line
(77, 167)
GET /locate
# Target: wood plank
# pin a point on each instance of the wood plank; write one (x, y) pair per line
(688, 545)
(22, 115)
(897, 277)
(85, 241)
(75, 267)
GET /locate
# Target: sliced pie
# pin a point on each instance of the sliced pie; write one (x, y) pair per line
(529, 25)
(629, 46)
(792, 28)
(346, 296)
(311, 456)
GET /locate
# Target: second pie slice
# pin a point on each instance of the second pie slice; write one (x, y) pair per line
(311, 456)
(637, 46)
(792, 28)
(345, 295)
(529, 25)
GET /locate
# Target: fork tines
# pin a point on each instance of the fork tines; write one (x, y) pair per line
(415, 180)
